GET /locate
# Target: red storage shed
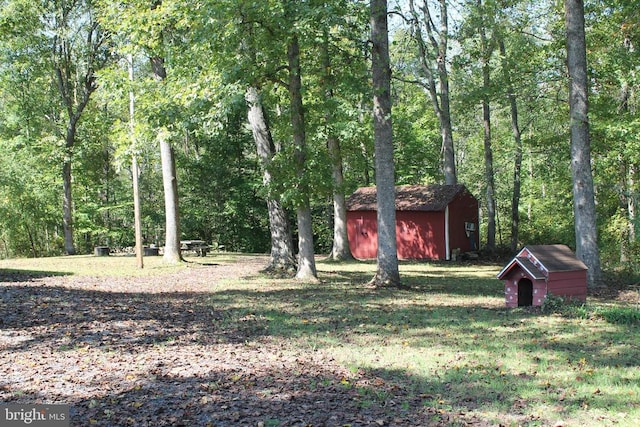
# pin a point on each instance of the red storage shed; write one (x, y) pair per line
(432, 221)
(539, 270)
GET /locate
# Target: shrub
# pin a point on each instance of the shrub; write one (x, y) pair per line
(553, 304)
(621, 315)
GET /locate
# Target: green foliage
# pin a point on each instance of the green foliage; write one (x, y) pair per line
(620, 315)
(553, 303)
(213, 50)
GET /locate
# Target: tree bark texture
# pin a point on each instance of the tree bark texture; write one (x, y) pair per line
(583, 189)
(306, 256)
(387, 273)
(340, 251)
(172, 249)
(282, 254)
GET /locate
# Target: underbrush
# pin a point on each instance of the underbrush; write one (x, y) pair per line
(616, 314)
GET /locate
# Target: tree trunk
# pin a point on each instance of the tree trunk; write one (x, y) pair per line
(135, 171)
(387, 273)
(75, 89)
(438, 91)
(137, 211)
(583, 190)
(282, 255)
(306, 257)
(628, 182)
(628, 198)
(67, 207)
(172, 249)
(631, 203)
(517, 161)
(488, 151)
(340, 250)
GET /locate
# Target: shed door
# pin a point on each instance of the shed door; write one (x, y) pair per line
(525, 293)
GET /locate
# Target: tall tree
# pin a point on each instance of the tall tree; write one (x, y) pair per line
(387, 273)
(431, 34)
(77, 52)
(306, 260)
(340, 250)
(135, 169)
(517, 136)
(583, 191)
(172, 248)
(282, 255)
(486, 51)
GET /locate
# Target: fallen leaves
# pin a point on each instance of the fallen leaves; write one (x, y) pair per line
(128, 352)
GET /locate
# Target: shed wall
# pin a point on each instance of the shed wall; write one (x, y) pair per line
(569, 284)
(464, 208)
(420, 235)
(362, 228)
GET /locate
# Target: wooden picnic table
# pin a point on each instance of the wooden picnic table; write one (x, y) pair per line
(200, 247)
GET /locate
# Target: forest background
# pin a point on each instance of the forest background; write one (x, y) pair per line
(87, 86)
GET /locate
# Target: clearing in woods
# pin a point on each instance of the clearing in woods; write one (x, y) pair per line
(215, 343)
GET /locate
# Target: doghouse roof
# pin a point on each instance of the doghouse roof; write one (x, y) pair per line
(537, 259)
(433, 197)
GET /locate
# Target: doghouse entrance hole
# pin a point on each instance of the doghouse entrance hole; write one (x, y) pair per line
(525, 293)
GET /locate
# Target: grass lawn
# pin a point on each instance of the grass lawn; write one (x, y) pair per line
(449, 341)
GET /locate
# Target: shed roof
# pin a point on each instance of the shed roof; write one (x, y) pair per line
(551, 258)
(432, 197)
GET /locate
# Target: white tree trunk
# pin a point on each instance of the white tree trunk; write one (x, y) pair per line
(306, 257)
(172, 250)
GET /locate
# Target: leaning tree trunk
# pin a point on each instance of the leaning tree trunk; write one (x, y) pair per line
(282, 255)
(387, 273)
(306, 256)
(584, 206)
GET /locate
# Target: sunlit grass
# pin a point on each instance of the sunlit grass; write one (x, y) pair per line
(452, 341)
(113, 265)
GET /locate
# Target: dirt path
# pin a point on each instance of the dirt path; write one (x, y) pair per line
(156, 352)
